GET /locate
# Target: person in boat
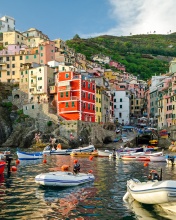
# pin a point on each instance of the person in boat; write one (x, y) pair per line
(59, 146)
(76, 168)
(153, 175)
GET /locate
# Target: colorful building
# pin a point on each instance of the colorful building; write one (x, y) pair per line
(75, 97)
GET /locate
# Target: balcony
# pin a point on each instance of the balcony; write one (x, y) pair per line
(63, 88)
(2, 62)
(33, 75)
(33, 84)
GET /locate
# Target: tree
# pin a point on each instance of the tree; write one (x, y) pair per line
(76, 37)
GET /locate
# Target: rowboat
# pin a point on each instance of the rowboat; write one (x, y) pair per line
(104, 153)
(48, 150)
(2, 167)
(29, 156)
(141, 156)
(84, 154)
(151, 192)
(63, 178)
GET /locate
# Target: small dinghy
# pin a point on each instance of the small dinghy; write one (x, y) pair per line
(104, 153)
(154, 191)
(84, 154)
(29, 156)
(63, 178)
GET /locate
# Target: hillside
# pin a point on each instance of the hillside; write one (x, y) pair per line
(143, 55)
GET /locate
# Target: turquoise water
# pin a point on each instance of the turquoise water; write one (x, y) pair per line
(22, 198)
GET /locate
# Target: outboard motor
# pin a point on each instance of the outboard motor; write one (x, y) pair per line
(8, 161)
(171, 158)
(153, 175)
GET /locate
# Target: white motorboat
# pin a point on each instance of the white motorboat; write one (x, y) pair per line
(104, 153)
(151, 192)
(63, 178)
(141, 156)
(47, 150)
(29, 156)
(157, 158)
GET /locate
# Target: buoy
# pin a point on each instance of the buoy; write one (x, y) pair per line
(145, 164)
(44, 161)
(13, 168)
(65, 167)
(75, 161)
(17, 161)
(91, 158)
(90, 171)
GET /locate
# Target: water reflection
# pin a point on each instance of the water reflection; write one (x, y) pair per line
(21, 198)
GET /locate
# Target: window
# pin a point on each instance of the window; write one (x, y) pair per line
(21, 57)
(21, 64)
(39, 87)
(27, 57)
(13, 65)
(89, 106)
(13, 58)
(41, 54)
(32, 106)
(120, 106)
(41, 48)
(66, 104)
(8, 66)
(67, 75)
(114, 106)
(13, 72)
(66, 94)
(96, 99)
(61, 94)
(41, 61)
(8, 73)
(36, 51)
(39, 78)
(73, 104)
(89, 85)
(96, 109)
(7, 59)
(88, 96)
(93, 97)
(114, 100)
(35, 56)
(120, 100)
(120, 114)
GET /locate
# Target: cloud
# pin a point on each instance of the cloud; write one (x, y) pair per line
(141, 17)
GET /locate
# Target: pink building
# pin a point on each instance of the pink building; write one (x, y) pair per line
(12, 49)
(46, 51)
(117, 65)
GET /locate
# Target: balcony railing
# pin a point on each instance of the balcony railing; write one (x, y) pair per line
(63, 88)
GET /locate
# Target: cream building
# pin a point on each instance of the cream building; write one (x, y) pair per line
(7, 23)
(13, 37)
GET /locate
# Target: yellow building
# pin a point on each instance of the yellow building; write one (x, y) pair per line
(109, 74)
(10, 65)
(98, 106)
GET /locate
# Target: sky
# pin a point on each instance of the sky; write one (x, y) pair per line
(90, 18)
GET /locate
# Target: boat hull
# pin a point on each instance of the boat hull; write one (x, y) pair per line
(63, 179)
(84, 154)
(29, 156)
(105, 153)
(156, 192)
(2, 167)
(89, 148)
(157, 158)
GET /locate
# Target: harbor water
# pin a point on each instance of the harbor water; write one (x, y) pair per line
(22, 198)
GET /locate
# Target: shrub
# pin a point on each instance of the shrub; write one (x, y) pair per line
(49, 123)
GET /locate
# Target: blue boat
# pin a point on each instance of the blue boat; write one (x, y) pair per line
(29, 156)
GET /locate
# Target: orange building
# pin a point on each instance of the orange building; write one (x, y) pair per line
(75, 97)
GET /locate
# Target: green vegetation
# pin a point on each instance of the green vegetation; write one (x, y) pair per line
(142, 55)
(49, 123)
(7, 105)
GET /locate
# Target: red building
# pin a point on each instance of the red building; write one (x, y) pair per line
(75, 97)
